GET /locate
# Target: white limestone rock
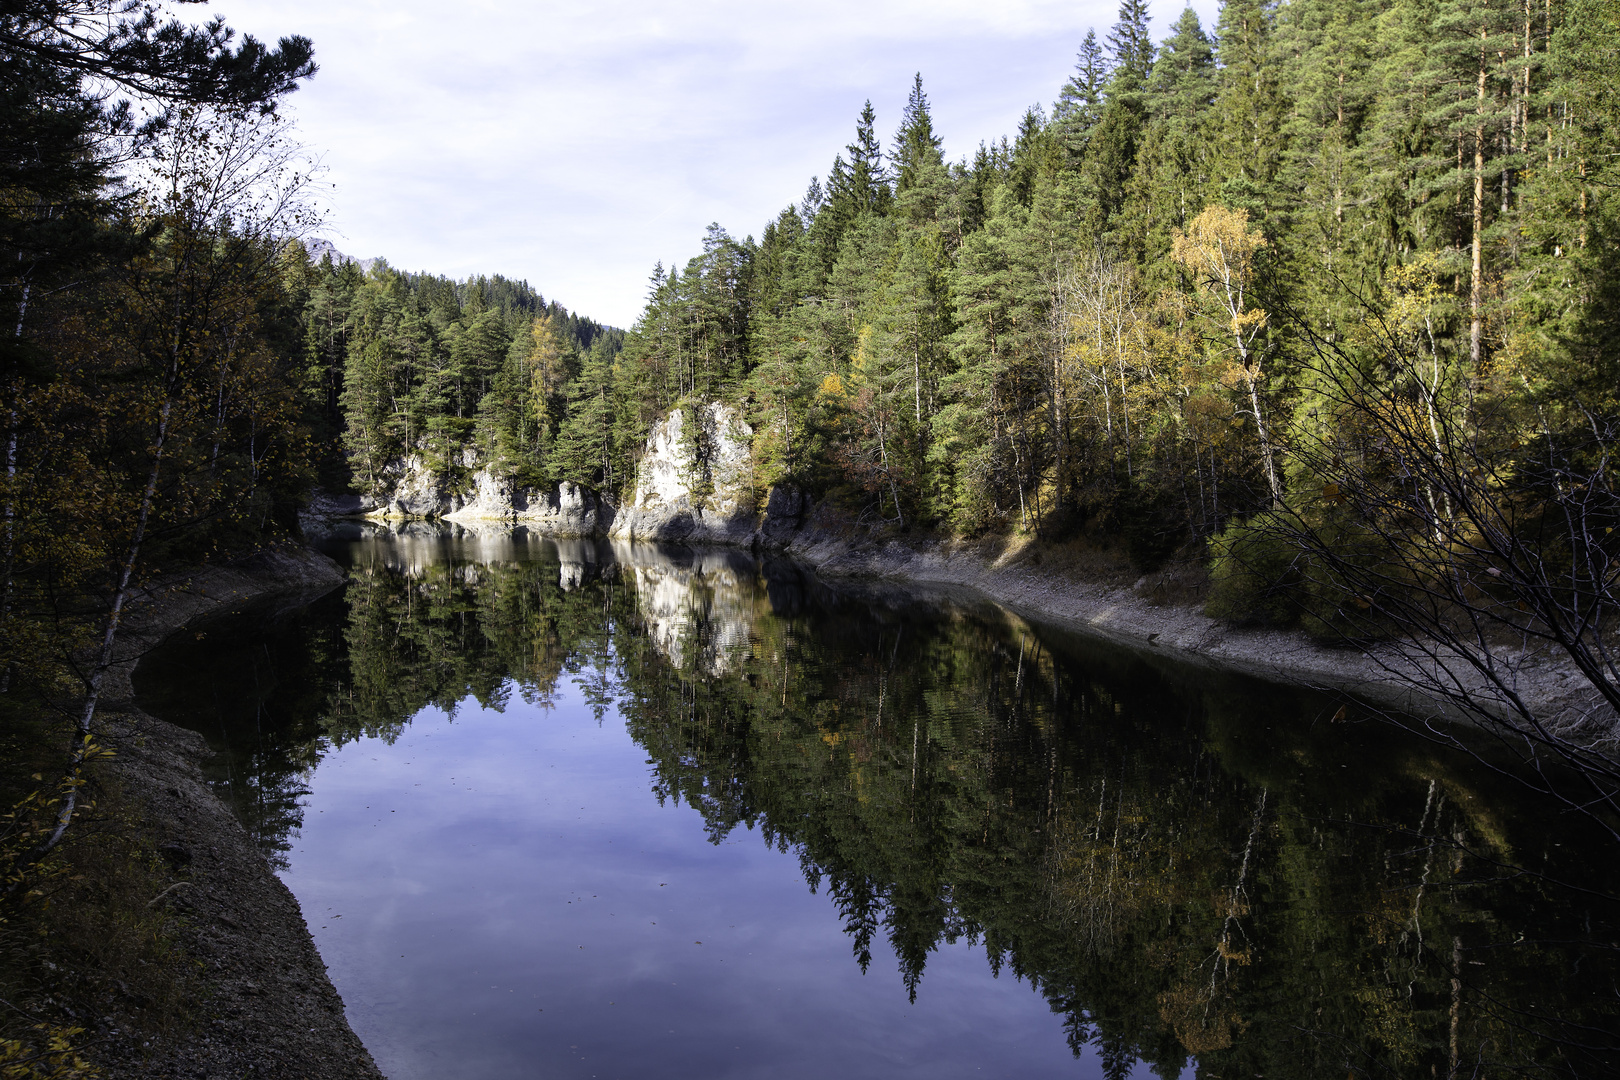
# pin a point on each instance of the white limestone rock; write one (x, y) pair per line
(565, 510)
(694, 486)
(416, 492)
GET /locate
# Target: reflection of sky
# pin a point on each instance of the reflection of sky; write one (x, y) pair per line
(501, 896)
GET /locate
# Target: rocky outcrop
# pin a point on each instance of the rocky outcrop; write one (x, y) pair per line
(326, 507)
(564, 510)
(695, 481)
(417, 493)
(694, 485)
(785, 512)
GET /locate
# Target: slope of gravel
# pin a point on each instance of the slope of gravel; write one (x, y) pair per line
(267, 1007)
(1384, 675)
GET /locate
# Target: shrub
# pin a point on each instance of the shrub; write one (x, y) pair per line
(1255, 573)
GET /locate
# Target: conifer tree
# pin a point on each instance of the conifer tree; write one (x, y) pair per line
(584, 452)
(916, 147)
(1132, 46)
(1174, 165)
(863, 186)
(1249, 104)
(1079, 103)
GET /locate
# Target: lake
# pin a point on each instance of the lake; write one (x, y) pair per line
(557, 808)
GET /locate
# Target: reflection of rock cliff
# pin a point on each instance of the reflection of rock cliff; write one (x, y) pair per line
(695, 481)
(698, 607)
(409, 548)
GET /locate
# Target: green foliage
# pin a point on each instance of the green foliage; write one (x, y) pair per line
(1255, 574)
(485, 369)
(1059, 330)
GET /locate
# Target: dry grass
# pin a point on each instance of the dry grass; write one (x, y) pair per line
(1099, 560)
(1182, 582)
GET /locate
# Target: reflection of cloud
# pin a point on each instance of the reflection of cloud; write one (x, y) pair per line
(697, 604)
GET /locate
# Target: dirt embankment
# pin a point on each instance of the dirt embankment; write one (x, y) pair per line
(266, 1007)
(1028, 581)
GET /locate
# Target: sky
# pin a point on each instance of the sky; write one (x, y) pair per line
(576, 144)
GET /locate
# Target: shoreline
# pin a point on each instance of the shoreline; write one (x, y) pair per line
(1182, 633)
(268, 1007)
(1019, 578)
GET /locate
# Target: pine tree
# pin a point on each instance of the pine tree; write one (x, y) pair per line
(1327, 167)
(1111, 152)
(1470, 107)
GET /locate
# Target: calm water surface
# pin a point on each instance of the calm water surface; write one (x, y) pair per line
(560, 809)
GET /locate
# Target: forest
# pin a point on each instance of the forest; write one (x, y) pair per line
(1125, 303)
(1318, 273)
(1324, 297)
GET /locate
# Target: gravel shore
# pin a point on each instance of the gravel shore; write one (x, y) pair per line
(1382, 675)
(267, 1007)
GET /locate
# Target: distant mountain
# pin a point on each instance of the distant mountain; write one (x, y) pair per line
(320, 248)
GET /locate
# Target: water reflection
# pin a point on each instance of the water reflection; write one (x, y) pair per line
(698, 608)
(1184, 866)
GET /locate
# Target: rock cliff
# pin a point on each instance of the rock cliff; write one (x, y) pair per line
(418, 493)
(564, 510)
(695, 480)
(694, 485)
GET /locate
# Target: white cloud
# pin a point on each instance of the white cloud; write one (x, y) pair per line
(574, 144)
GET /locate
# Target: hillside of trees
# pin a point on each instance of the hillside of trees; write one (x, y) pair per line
(1324, 263)
(1144, 309)
(401, 363)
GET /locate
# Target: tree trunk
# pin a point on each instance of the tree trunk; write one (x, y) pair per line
(888, 474)
(84, 746)
(1267, 458)
(1476, 289)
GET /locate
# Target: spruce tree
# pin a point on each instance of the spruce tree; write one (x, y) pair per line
(1175, 161)
(1249, 104)
(584, 449)
(862, 185)
(1132, 45)
(916, 147)
(1079, 102)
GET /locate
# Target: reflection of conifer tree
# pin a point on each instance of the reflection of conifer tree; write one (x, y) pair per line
(1169, 883)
